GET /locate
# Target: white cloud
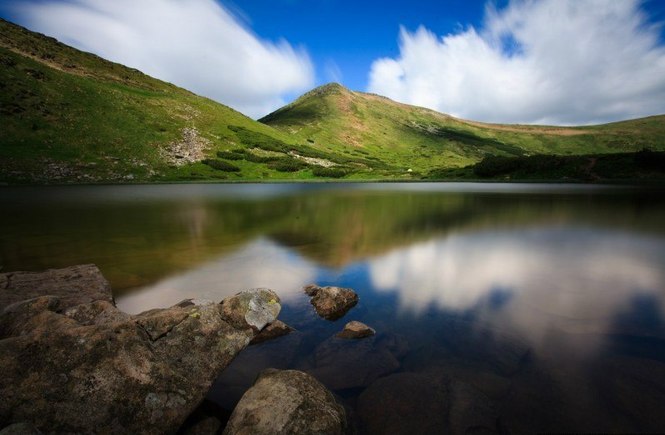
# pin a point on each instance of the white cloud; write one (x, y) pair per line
(577, 280)
(195, 44)
(260, 263)
(549, 61)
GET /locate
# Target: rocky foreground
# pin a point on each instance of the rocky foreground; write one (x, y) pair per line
(72, 362)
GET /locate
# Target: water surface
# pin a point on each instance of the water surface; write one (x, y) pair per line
(543, 303)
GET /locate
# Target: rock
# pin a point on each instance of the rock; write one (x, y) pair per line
(404, 403)
(331, 303)
(434, 361)
(77, 364)
(256, 308)
(240, 375)
(20, 429)
(408, 403)
(340, 364)
(272, 331)
(287, 402)
(73, 285)
(355, 329)
(207, 419)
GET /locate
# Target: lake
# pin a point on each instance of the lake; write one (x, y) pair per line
(515, 307)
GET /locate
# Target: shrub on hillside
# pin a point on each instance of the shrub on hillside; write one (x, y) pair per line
(221, 165)
(287, 164)
(320, 171)
(231, 155)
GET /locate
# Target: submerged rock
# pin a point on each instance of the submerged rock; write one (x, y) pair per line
(410, 403)
(77, 364)
(331, 303)
(287, 402)
(340, 364)
(355, 329)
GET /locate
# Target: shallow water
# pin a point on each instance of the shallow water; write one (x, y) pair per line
(516, 308)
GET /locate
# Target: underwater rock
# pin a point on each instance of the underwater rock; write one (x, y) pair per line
(287, 402)
(408, 403)
(80, 365)
(355, 329)
(340, 364)
(331, 303)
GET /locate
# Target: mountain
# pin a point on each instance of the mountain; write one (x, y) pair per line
(70, 116)
(335, 119)
(73, 117)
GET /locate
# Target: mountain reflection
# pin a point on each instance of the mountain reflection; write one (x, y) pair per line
(260, 263)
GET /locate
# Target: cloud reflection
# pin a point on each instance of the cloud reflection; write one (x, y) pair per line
(574, 279)
(260, 263)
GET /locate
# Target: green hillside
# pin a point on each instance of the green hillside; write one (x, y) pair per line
(69, 116)
(404, 137)
(73, 117)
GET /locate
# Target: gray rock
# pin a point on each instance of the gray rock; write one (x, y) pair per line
(77, 364)
(331, 303)
(355, 329)
(287, 402)
(255, 308)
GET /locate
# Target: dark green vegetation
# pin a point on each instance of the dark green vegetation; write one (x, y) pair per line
(69, 116)
(642, 165)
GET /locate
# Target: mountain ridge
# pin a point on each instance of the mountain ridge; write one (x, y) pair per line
(74, 117)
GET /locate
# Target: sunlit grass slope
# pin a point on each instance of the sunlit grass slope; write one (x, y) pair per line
(404, 137)
(70, 116)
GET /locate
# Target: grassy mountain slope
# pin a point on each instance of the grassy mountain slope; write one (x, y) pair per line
(70, 116)
(335, 119)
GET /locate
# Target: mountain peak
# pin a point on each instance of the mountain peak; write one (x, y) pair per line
(328, 89)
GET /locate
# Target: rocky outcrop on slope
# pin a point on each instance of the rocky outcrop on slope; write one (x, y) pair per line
(72, 362)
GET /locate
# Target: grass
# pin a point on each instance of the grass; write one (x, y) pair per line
(69, 116)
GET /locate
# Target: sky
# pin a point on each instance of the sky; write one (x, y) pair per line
(562, 62)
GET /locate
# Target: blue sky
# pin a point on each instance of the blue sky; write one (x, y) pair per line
(567, 62)
(351, 34)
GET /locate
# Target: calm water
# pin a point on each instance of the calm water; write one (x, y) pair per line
(520, 307)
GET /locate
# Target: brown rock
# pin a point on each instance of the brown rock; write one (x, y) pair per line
(73, 285)
(331, 303)
(287, 402)
(272, 331)
(355, 329)
(77, 364)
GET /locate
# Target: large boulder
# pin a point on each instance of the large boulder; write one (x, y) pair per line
(331, 303)
(287, 402)
(77, 364)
